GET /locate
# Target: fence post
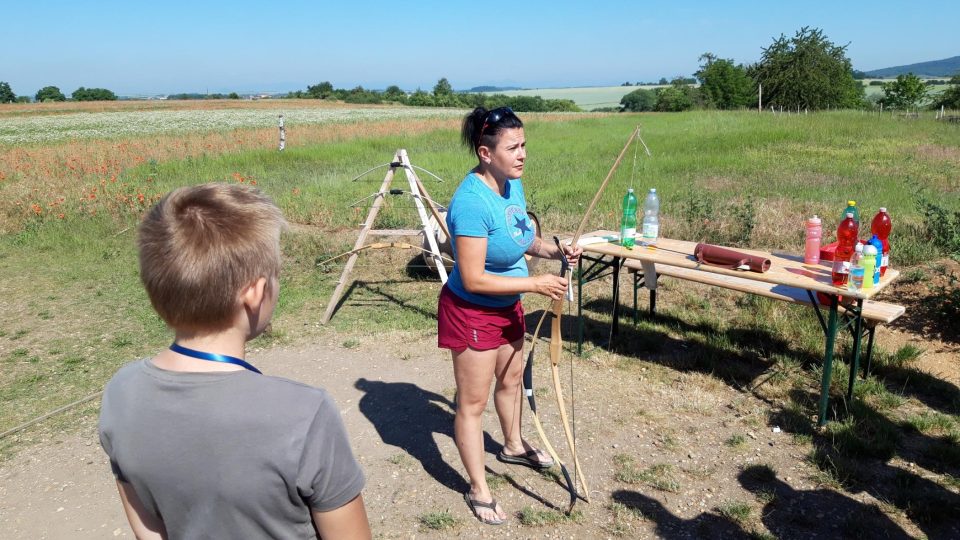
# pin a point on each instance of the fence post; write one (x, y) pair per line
(283, 135)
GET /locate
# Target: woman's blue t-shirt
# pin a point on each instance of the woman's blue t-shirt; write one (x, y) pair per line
(480, 212)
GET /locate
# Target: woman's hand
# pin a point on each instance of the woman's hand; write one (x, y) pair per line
(551, 285)
(572, 253)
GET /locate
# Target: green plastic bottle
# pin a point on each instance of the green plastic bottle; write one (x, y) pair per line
(851, 208)
(628, 224)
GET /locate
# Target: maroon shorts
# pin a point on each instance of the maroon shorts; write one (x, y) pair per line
(462, 324)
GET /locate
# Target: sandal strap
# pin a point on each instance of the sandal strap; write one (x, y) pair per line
(528, 454)
(492, 505)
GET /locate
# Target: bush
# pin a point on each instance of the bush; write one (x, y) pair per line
(362, 95)
(675, 98)
(93, 94)
(639, 101)
(420, 99)
(729, 224)
(6, 93)
(949, 98)
(50, 93)
(942, 226)
(519, 103)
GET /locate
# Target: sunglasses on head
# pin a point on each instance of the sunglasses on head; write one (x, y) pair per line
(492, 118)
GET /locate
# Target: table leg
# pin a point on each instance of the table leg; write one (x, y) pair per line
(831, 335)
(870, 334)
(855, 361)
(615, 329)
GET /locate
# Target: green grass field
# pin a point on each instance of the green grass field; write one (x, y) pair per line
(74, 310)
(740, 178)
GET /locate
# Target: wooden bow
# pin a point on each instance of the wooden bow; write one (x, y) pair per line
(382, 245)
(556, 349)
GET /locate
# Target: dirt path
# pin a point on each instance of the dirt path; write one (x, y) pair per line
(394, 392)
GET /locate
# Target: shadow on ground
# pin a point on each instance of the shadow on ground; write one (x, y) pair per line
(669, 526)
(407, 416)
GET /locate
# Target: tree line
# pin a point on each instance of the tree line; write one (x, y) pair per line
(806, 71)
(443, 95)
(52, 93)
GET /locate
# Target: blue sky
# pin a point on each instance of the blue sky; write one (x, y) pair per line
(175, 46)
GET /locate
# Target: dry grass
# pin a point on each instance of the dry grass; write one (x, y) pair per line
(58, 179)
(935, 152)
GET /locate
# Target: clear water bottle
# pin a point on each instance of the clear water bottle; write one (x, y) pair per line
(651, 218)
(628, 224)
(856, 269)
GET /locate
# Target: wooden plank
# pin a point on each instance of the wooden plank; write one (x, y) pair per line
(395, 232)
(881, 312)
(786, 269)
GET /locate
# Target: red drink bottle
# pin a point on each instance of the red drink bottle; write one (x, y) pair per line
(846, 240)
(881, 226)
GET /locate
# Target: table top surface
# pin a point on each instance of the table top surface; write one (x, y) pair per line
(785, 268)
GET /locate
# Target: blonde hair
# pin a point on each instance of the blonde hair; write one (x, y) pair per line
(200, 246)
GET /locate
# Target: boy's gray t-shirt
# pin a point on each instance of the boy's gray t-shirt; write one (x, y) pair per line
(227, 454)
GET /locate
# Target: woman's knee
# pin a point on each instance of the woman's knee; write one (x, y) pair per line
(509, 379)
(471, 403)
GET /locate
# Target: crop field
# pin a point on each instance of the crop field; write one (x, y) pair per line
(877, 90)
(118, 124)
(74, 182)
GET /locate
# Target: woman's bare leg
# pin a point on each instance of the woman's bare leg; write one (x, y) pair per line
(473, 371)
(508, 399)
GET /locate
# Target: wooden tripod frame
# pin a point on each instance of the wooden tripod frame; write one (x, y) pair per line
(419, 195)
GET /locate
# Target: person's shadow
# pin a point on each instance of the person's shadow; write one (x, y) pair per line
(668, 525)
(407, 416)
(789, 513)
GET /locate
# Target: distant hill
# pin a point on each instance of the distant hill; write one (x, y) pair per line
(936, 68)
(487, 89)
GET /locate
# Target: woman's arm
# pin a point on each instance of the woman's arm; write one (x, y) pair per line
(471, 258)
(349, 521)
(144, 525)
(549, 250)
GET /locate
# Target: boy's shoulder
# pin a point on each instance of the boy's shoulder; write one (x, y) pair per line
(141, 376)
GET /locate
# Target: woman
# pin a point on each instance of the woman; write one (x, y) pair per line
(480, 318)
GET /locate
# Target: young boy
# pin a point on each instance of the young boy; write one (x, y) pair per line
(202, 444)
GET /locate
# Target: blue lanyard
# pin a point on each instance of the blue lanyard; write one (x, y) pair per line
(213, 357)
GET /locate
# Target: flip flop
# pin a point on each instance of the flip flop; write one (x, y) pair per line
(492, 505)
(528, 459)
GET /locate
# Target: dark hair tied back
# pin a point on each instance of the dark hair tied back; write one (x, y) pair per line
(474, 134)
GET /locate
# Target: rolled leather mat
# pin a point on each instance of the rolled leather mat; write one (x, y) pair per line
(729, 258)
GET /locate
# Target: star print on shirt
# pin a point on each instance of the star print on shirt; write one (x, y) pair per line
(521, 224)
